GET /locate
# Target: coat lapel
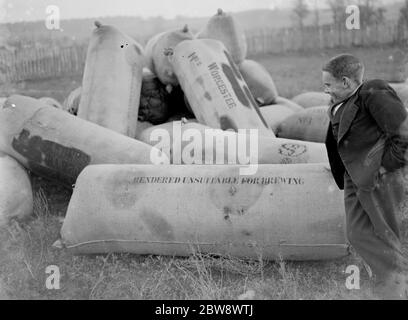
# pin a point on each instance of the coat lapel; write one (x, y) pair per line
(330, 112)
(349, 113)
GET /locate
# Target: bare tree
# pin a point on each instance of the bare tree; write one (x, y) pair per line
(369, 13)
(403, 16)
(402, 22)
(301, 10)
(380, 15)
(339, 16)
(316, 14)
(338, 9)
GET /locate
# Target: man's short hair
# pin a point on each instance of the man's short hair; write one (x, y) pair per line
(345, 65)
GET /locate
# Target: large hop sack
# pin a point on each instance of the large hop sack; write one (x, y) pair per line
(187, 142)
(214, 87)
(308, 125)
(259, 81)
(312, 99)
(157, 49)
(112, 80)
(16, 196)
(286, 212)
(224, 27)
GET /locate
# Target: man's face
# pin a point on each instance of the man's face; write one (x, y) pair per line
(338, 89)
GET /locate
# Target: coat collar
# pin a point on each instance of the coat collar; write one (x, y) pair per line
(348, 115)
(330, 110)
(332, 107)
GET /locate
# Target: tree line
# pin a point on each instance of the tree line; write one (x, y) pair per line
(371, 12)
(371, 15)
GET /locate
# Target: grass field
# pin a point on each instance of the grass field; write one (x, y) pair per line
(26, 247)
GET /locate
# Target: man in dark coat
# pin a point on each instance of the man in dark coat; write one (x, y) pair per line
(367, 145)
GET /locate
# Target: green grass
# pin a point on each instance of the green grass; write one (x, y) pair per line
(26, 247)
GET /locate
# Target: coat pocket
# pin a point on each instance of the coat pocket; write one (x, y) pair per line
(376, 152)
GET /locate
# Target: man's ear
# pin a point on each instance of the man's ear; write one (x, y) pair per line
(346, 82)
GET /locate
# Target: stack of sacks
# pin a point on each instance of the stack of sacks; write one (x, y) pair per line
(106, 151)
(57, 145)
(225, 92)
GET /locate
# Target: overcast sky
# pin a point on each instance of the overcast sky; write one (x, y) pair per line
(19, 10)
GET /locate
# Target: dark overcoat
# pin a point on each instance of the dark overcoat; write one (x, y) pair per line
(371, 133)
(365, 159)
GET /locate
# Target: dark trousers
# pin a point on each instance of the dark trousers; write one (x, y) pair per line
(372, 225)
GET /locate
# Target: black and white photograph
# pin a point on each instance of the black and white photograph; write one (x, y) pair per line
(203, 156)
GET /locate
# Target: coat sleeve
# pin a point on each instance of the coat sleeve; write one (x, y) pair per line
(390, 114)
